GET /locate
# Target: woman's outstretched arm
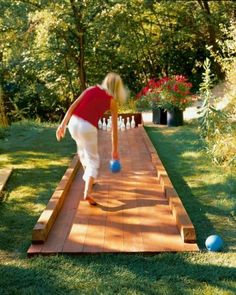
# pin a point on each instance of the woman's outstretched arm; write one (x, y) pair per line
(114, 133)
(61, 130)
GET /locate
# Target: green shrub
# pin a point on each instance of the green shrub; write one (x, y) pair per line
(143, 104)
(216, 125)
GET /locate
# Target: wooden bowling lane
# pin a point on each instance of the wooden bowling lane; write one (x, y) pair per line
(132, 215)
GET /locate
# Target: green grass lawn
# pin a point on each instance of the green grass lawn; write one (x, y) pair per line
(208, 193)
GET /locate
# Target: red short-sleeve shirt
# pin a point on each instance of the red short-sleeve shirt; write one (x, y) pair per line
(95, 102)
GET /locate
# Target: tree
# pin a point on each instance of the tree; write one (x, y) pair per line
(52, 50)
(3, 116)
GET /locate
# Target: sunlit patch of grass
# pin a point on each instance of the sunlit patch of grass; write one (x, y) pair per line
(191, 155)
(207, 191)
(29, 159)
(223, 202)
(39, 163)
(4, 161)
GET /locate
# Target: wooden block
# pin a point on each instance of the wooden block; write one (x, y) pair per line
(75, 163)
(159, 162)
(154, 158)
(149, 145)
(69, 174)
(4, 176)
(183, 221)
(66, 179)
(49, 215)
(164, 179)
(160, 169)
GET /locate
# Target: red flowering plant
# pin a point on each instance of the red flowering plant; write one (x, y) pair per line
(149, 96)
(168, 93)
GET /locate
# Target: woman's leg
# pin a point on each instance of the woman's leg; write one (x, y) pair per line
(88, 190)
(73, 127)
(92, 164)
(85, 136)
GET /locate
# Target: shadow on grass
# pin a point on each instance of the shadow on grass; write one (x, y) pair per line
(179, 273)
(38, 162)
(26, 196)
(116, 274)
(180, 152)
(32, 142)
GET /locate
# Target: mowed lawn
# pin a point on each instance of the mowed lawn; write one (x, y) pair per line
(208, 193)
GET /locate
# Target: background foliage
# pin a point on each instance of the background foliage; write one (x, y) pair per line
(217, 126)
(51, 50)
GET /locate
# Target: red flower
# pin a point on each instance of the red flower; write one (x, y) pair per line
(168, 92)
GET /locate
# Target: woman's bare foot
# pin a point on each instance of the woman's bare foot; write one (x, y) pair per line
(91, 201)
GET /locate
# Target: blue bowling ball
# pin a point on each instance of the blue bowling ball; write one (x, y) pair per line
(214, 243)
(115, 166)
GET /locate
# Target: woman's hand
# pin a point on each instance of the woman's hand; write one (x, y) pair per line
(115, 155)
(60, 133)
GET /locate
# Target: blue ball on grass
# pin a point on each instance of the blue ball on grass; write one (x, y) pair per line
(214, 243)
(115, 166)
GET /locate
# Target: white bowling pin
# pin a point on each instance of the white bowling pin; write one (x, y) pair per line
(132, 122)
(109, 124)
(104, 125)
(128, 123)
(122, 125)
(100, 124)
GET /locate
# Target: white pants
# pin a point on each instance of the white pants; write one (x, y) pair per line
(86, 137)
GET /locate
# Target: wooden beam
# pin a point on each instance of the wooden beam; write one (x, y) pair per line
(49, 215)
(182, 219)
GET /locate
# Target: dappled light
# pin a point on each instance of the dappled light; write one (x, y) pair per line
(27, 197)
(207, 193)
(132, 212)
(147, 233)
(29, 160)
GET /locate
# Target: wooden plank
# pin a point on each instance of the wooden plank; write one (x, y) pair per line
(34, 249)
(133, 212)
(95, 234)
(182, 219)
(61, 228)
(79, 231)
(77, 234)
(147, 141)
(4, 176)
(49, 215)
(114, 236)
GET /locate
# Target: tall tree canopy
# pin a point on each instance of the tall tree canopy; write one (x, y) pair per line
(51, 50)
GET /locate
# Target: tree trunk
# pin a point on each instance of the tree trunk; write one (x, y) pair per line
(80, 35)
(3, 116)
(212, 34)
(81, 62)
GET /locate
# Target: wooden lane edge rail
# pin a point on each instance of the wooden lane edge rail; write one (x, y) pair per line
(5, 173)
(184, 224)
(49, 215)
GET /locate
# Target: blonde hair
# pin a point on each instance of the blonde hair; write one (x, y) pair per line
(114, 85)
